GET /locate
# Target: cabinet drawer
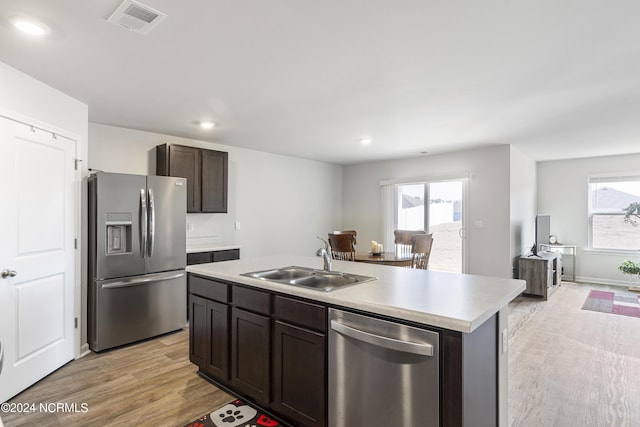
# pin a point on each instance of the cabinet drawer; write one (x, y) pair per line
(226, 255)
(209, 288)
(252, 300)
(198, 258)
(300, 313)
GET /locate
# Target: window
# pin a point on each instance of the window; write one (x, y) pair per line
(435, 207)
(614, 212)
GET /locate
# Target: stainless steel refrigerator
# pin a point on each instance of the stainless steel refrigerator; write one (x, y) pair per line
(137, 256)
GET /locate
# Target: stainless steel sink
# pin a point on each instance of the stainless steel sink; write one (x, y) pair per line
(310, 278)
(278, 274)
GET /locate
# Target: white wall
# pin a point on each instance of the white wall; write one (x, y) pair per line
(39, 104)
(563, 193)
(29, 97)
(523, 205)
(281, 202)
(488, 229)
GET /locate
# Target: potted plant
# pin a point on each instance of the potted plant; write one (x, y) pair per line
(631, 268)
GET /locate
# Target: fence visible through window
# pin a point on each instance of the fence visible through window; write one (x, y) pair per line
(435, 207)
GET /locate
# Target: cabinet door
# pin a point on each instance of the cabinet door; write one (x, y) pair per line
(250, 354)
(299, 376)
(214, 181)
(198, 333)
(217, 361)
(209, 336)
(185, 162)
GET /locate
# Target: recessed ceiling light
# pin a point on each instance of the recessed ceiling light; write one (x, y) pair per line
(207, 125)
(30, 26)
(365, 141)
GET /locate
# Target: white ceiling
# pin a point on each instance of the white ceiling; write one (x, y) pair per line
(556, 78)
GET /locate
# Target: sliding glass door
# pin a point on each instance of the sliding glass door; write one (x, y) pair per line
(436, 207)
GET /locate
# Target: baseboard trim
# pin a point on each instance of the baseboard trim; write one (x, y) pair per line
(600, 281)
(84, 350)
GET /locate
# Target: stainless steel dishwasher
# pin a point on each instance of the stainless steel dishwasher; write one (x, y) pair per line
(381, 373)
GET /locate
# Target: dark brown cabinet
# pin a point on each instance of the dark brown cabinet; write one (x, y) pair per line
(206, 172)
(210, 336)
(214, 180)
(299, 372)
(274, 348)
(212, 256)
(263, 346)
(251, 342)
(209, 327)
(250, 354)
(198, 333)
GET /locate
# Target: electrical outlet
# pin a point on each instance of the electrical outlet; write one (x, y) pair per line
(237, 225)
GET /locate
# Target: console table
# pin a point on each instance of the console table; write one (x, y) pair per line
(568, 259)
(541, 272)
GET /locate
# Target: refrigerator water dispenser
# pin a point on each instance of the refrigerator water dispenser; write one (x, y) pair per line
(119, 233)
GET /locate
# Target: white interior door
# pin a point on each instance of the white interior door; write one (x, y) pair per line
(37, 255)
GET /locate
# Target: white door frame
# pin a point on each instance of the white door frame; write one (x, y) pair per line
(79, 155)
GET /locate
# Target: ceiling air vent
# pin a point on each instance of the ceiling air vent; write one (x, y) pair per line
(136, 17)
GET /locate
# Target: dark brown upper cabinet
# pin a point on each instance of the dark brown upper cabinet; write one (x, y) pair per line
(206, 172)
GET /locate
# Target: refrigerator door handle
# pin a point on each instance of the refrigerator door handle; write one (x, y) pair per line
(140, 281)
(143, 223)
(152, 223)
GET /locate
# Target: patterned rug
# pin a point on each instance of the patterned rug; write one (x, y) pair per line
(609, 302)
(235, 414)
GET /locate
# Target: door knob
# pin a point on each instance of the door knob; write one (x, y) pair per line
(8, 273)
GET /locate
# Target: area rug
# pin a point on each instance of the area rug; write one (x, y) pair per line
(235, 414)
(610, 302)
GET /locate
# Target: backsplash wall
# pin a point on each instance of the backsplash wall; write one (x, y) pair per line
(258, 182)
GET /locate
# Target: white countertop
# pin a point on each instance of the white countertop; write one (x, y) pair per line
(459, 302)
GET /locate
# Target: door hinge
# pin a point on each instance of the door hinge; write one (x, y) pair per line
(75, 321)
(75, 243)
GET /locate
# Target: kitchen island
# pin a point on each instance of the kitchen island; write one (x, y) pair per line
(242, 328)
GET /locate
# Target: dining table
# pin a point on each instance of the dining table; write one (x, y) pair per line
(385, 258)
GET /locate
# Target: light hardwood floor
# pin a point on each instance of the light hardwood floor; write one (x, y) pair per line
(147, 384)
(567, 367)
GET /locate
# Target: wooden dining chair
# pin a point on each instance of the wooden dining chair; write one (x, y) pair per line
(354, 233)
(343, 246)
(404, 240)
(421, 249)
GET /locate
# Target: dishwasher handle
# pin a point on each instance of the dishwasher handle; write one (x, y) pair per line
(380, 341)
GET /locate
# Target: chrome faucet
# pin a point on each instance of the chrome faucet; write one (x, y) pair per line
(325, 253)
